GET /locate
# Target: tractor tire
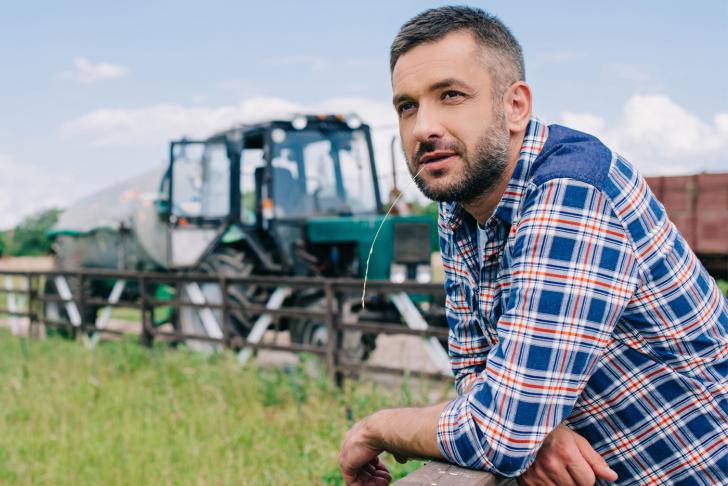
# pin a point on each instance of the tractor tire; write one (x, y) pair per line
(353, 346)
(230, 263)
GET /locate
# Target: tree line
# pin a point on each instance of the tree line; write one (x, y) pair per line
(30, 236)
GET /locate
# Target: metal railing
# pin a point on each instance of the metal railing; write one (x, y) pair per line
(28, 286)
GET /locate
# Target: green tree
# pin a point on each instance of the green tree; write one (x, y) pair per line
(30, 237)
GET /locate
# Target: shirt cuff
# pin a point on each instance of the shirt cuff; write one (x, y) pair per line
(457, 441)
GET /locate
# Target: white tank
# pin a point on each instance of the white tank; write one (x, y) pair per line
(117, 228)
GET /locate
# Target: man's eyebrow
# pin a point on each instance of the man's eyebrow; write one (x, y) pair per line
(448, 83)
(445, 83)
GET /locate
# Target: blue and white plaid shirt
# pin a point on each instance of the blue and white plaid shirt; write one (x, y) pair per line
(589, 308)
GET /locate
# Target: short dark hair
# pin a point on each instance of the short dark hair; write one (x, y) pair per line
(434, 24)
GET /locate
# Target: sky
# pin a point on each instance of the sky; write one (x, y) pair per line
(91, 92)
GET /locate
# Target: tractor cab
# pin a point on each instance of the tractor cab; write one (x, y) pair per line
(266, 181)
(306, 168)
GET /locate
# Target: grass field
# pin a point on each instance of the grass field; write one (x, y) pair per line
(123, 414)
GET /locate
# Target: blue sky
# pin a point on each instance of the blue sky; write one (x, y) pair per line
(91, 92)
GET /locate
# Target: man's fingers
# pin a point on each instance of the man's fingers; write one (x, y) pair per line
(581, 473)
(554, 468)
(380, 473)
(598, 464)
(364, 478)
(379, 464)
(538, 476)
(375, 481)
(542, 478)
(384, 475)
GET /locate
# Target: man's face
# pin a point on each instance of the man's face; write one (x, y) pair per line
(452, 133)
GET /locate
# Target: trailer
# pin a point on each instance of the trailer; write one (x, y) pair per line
(698, 206)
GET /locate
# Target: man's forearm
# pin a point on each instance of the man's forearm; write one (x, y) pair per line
(406, 432)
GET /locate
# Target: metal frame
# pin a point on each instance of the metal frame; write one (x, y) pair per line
(332, 289)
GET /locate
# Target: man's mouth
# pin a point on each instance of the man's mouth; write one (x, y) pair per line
(437, 159)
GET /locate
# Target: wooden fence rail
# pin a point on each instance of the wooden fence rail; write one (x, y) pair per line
(29, 287)
(436, 473)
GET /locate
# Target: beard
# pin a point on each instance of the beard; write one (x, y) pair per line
(480, 173)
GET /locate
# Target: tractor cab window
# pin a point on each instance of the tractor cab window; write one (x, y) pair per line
(200, 180)
(251, 161)
(356, 171)
(317, 173)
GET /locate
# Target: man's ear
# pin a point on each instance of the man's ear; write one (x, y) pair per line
(517, 106)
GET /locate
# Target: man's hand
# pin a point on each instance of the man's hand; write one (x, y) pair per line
(404, 432)
(359, 460)
(566, 459)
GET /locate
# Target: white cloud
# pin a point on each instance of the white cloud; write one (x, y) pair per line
(661, 137)
(585, 122)
(721, 122)
(86, 71)
(152, 127)
(26, 189)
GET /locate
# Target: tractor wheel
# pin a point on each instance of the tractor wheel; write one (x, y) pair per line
(230, 263)
(57, 311)
(354, 346)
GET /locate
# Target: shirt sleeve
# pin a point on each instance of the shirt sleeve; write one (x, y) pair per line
(573, 272)
(468, 346)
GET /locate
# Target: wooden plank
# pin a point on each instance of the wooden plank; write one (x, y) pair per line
(436, 473)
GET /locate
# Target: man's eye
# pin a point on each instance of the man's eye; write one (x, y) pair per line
(405, 107)
(449, 95)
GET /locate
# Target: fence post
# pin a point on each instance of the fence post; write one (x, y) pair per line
(177, 308)
(32, 295)
(225, 312)
(82, 304)
(331, 332)
(147, 336)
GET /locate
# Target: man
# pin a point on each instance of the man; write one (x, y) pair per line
(582, 327)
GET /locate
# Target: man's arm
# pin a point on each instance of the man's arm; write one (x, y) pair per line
(565, 458)
(404, 432)
(573, 271)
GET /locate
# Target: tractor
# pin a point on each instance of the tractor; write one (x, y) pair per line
(284, 197)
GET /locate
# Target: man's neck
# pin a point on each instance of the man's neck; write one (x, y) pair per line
(482, 208)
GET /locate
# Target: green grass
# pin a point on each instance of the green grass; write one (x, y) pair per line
(123, 414)
(723, 286)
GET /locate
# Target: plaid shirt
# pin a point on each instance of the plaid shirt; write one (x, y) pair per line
(587, 307)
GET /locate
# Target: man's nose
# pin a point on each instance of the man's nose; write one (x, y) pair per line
(427, 125)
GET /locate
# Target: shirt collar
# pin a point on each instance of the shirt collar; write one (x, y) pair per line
(533, 141)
